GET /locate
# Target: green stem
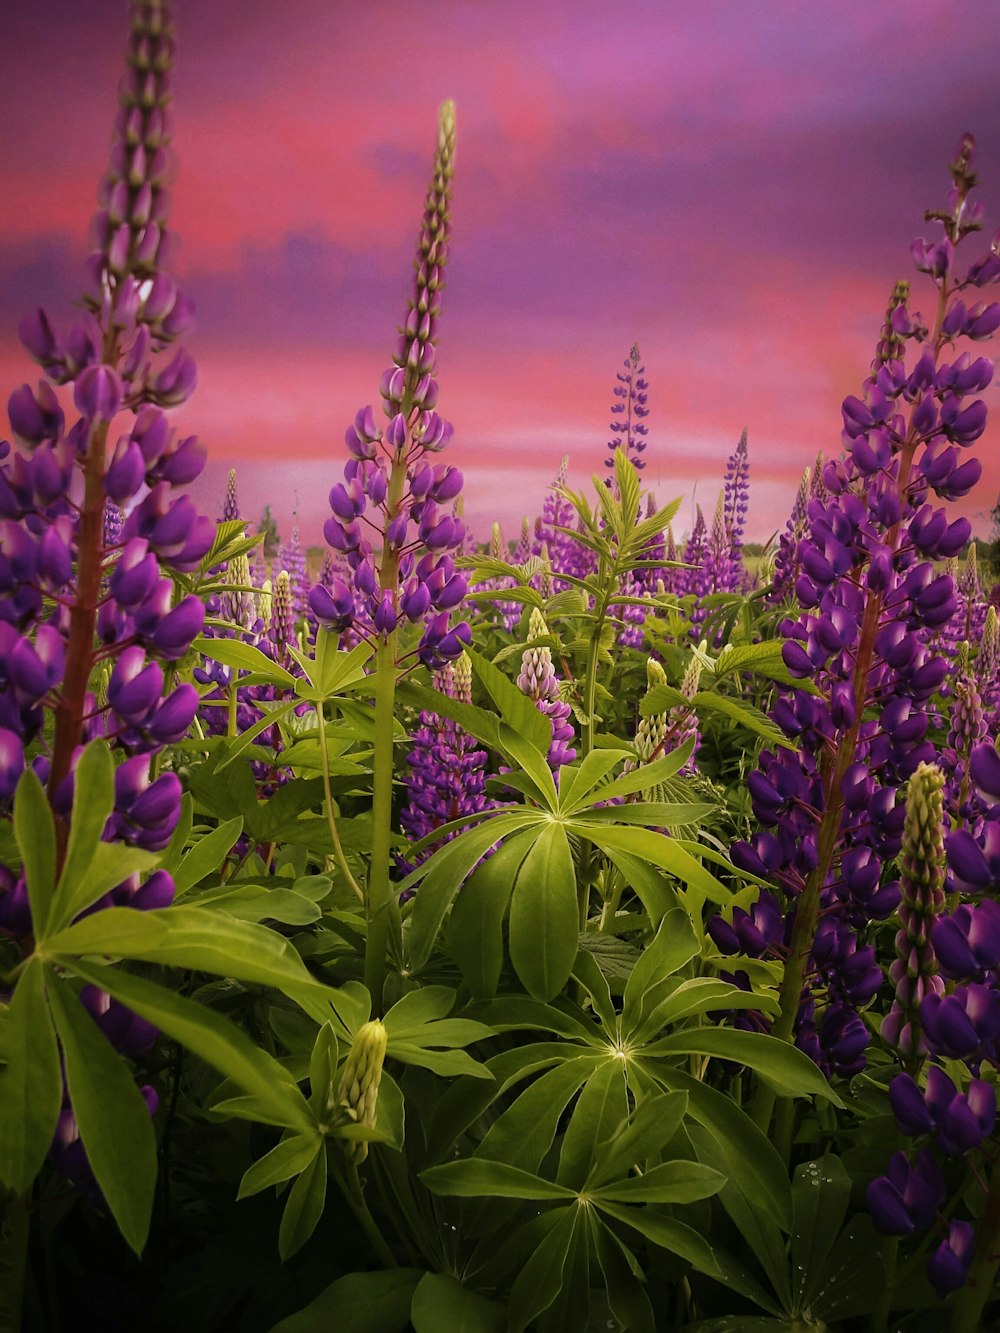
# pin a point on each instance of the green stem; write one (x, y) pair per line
(338, 850)
(350, 1186)
(13, 1258)
(880, 1315)
(970, 1302)
(379, 889)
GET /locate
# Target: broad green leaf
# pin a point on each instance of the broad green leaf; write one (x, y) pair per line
(93, 801)
(323, 1061)
(376, 1302)
(533, 764)
(246, 738)
(734, 1144)
(653, 814)
(782, 1066)
(541, 1278)
(285, 1160)
(654, 1123)
(623, 1283)
(852, 1278)
(109, 865)
(601, 1106)
(698, 995)
(304, 1208)
(35, 831)
(544, 915)
(30, 1082)
(475, 928)
(236, 653)
(171, 855)
(391, 1112)
(444, 875)
(672, 1182)
(114, 1122)
(214, 1039)
(744, 715)
(674, 944)
(672, 1235)
(440, 1303)
(646, 775)
(484, 726)
(648, 883)
(452, 1064)
(820, 1196)
(515, 708)
(196, 938)
(417, 1008)
(578, 782)
(474, 1177)
(207, 855)
(523, 1133)
(655, 848)
(588, 972)
(254, 902)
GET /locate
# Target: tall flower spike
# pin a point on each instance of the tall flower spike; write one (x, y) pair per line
(537, 679)
(736, 503)
(915, 973)
(628, 412)
(786, 560)
(230, 505)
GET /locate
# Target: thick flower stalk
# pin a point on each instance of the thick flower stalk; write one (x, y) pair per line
(391, 522)
(872, 600)
(537, 679)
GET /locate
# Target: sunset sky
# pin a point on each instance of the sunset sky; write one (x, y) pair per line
(733, 184)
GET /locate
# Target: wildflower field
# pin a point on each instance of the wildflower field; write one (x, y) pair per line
(580, 929)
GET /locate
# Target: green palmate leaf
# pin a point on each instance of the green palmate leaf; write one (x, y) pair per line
(450, 1063)
(255, 902)
(30, 1082)
(523, 1134)
(323, 1062)
(674, 944)
(93, 801)
(653, 814)
(417, 1008)
(474, 1177)
(591, 976)
(390, 1112)
(109, 865)
(627, 482)
(646, 775)
(820, 1197)
(734, 1144)
(698, 995)
(207, 855)
(35, 831)
(544, 915)
(305, 1204)
(655, 1122)
(533, 763)
(114, 1122)
(171, 855)
(647, 882)
(285, 1160)
(359, 1303)
(783, 1067)
(515, 708)
(622, 1279)
(236, 653)
(196, 938)
(744, 714)
(541, 1278)
(441, 1303)
(657, 849)
(673, 1182)
(215, 1040)
(577, 782)
(600, 1108)
(444, 873)
(763, 659)
(672, 1235)
(475, 928)
(273, 713)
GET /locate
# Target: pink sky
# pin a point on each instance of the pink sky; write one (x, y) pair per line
(732, 185)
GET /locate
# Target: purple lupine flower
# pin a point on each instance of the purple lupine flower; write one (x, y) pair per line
(786, 564)
(871, 601)
(292, 559)
(736, 504)
(447, 777)
(231, 504)
(391, 478)
(628, 413)
(908, 1197)
(537, 679)
(948, 1266)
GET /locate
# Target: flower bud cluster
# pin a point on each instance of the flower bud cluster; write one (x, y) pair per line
(628, 411)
